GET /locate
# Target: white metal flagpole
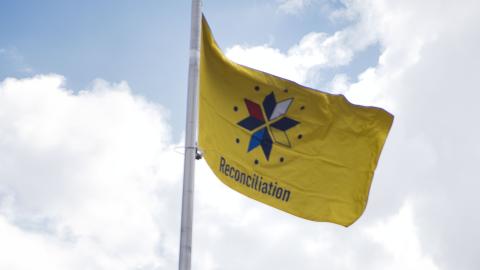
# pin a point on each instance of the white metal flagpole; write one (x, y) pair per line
(184, 262)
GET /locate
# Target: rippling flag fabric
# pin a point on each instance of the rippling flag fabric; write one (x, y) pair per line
(303, 151)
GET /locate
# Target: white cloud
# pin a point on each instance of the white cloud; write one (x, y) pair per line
(398, 235)
(339, 83)
(426, 76)
(301, 62)
(12, 59)
(85, 178)
(293, 6)
(316, 51)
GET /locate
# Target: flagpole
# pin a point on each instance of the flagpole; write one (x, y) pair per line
(184, 262)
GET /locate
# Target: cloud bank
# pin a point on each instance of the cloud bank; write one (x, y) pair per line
(85, 178)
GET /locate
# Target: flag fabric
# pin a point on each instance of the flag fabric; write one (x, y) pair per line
(303, 151)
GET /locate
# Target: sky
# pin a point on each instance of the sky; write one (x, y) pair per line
(92, 113)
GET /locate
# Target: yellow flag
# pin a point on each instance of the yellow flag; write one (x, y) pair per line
(306, 152)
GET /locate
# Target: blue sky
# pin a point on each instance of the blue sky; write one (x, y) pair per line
(92, 109)
(146, 43)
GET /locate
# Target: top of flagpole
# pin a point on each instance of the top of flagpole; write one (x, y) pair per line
(190, 139)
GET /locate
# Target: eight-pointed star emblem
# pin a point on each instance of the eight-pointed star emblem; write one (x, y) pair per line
(268, 121)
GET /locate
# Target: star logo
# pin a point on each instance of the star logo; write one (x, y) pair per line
(266, 122)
